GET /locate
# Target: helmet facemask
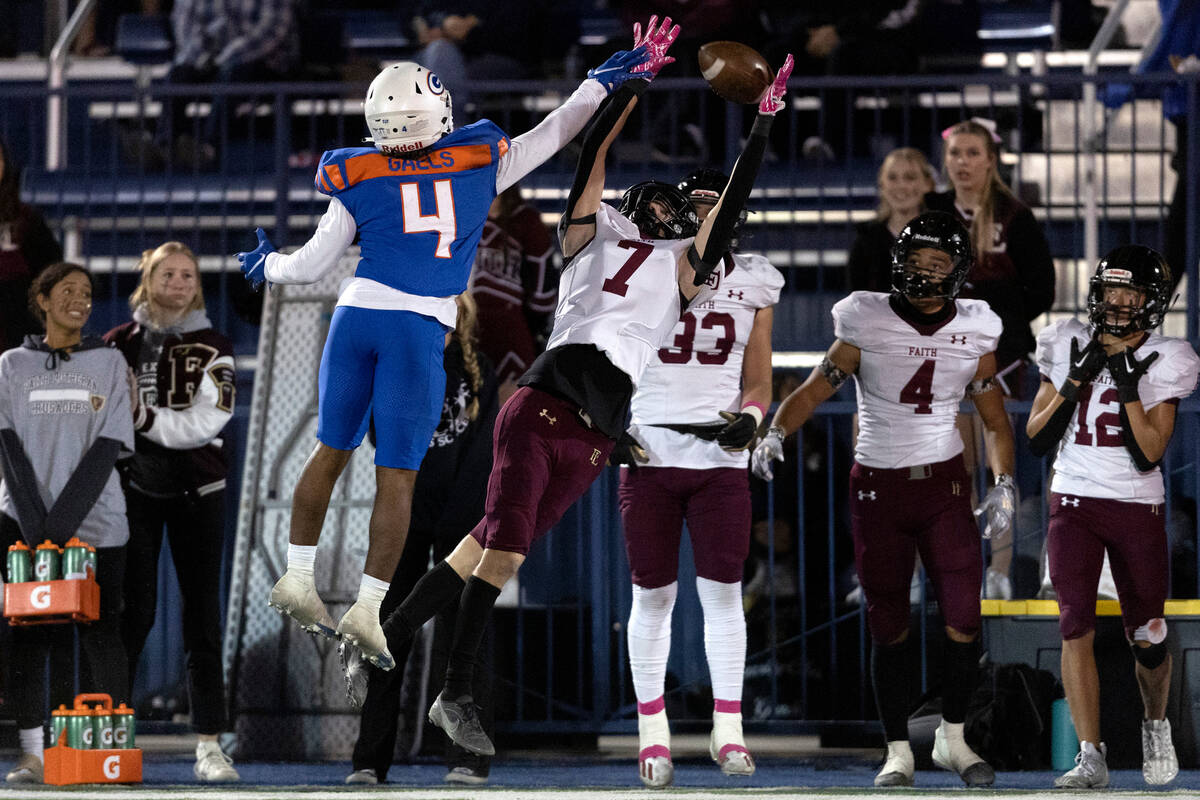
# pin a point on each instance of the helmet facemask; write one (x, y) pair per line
(660, 211)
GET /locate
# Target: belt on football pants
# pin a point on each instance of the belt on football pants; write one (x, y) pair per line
(706, 432)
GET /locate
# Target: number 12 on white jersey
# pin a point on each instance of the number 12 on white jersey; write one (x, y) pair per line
(441, 221)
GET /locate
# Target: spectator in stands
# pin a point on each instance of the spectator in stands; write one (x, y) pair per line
(1013, 270)
(176, 478)
(220, 43)
(27, 246)
(905, 177)
(866, 37)
(514, 283)
(447, 502)
(64, 418)
(1178, 49)
(469, 40)
(1107, 409)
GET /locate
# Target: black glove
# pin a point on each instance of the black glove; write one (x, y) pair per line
(1086, 363)
(739, 433)
(628, 452)
(1126, 371)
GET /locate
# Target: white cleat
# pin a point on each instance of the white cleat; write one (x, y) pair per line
(360, 628)
(212, 765)
(899, 766)
(727, 747)
(297, 598)
(1159, 763)
(1090, 770)
(655, 767)
(951, 752)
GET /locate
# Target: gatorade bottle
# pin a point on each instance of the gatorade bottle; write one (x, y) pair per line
(102, 727)
(46, 562)
(20, 563)
(58, 724)
(74, 560)
(123, 728)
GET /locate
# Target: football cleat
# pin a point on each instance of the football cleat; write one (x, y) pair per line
(951, 752)
(1090, 770)
(1159, 763)
(899, 765)
(460, 720)
(727, 747)
(297, 598)
(360, 628)
(655, 767)
(355, 672)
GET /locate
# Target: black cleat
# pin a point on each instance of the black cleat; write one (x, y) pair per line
(460, 720)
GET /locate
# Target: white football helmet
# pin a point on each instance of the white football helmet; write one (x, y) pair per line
(407, 109)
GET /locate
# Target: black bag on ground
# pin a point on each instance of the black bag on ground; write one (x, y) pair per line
(1008, 718)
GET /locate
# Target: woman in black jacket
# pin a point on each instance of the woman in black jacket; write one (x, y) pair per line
(905, 177)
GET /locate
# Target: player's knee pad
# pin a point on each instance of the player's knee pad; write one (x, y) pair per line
(1150, 657)
(887, 622)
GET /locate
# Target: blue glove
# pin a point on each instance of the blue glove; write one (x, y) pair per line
(254, 263)
(619, 68)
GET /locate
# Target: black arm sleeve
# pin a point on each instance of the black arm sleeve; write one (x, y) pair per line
(1131, 444)
(82, 490)
(22, 486)
(745, 171)
(606, 119)
(1052, 432)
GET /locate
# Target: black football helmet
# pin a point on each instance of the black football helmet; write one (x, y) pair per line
(681, 221)
(1134, 266)
(941, 231)
(705, 186)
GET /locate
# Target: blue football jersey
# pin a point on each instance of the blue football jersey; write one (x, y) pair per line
(419, 221)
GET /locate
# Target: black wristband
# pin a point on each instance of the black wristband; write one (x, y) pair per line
(1069, 391)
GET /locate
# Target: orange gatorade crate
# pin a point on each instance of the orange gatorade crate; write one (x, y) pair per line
(66, 765)
(40, 602)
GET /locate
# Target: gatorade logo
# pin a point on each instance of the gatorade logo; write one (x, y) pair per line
(87, 738)
(112, 767)
(40, 597)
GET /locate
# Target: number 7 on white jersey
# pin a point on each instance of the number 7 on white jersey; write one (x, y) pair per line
(441, 221)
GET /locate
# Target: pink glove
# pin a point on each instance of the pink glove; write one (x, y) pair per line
(772, 99)
(656, 43)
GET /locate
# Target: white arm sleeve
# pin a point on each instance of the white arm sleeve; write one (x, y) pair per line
(203, 420)
(319, 254)
(531, 149)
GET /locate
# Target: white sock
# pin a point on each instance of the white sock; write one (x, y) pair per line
(724, 637)
(649, 639)
(32, 741)
(371, 592)
(301, 559)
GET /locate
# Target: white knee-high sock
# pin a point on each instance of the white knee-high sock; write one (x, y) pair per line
(371, 592)
(649, 639)
(32, 741)
(724, 637)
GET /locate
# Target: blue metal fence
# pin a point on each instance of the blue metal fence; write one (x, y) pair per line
(118, 195)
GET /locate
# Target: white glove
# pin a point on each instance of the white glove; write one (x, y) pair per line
(995, 513)
(768, 450)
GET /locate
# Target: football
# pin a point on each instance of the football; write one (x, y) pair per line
(735, 71)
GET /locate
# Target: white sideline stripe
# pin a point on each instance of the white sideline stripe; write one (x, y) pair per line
(474, 792)
(47, 395)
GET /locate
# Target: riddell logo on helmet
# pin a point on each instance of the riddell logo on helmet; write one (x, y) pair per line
(1114, 275)
(924, 237)
(407, 148)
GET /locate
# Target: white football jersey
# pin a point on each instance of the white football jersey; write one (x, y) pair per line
(621, 294)
(911, 377)
(699, 371)
(1092, 460)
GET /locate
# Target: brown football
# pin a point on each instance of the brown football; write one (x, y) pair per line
(735, 71)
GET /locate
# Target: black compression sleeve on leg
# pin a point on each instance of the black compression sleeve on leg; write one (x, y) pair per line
(733, 200)
(958, 678)
(889, 678)
(437, 589)
(474, 614)
(1052, 432)
(605, 120)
